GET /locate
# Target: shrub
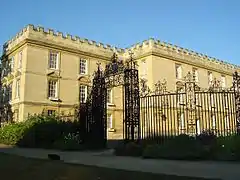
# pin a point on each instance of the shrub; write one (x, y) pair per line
(180, 147)
(69, 141)
(128, 149)
(37, 131)
(224, 149)
(207, 137)
(12, 133)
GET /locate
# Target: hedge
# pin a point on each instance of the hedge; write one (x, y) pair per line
(42, 131)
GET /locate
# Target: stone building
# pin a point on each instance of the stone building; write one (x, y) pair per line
(51, 72)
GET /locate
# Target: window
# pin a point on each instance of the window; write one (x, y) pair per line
(143, 68)
(51, 112)
(17, 94)
(210, 78)
(180, 97)
(53, 60)
(109, 96)
(195, 74)
(223, 81)
(83, 66)
(12, 63)
(20, 60)
(10, 92)
(52, 89)
(109, 121)
(178, 71)
(83, 93)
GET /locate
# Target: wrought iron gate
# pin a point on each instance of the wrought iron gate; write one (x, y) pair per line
(94, 119)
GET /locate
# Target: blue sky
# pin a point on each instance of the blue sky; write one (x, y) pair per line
(211, 27)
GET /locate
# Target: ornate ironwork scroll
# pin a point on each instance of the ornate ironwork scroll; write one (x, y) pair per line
(160, 87)
(144, 89)
(236, 88)
(190, 103)
(132, 102)
(215, 85)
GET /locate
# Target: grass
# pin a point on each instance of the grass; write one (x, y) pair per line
(14, 167)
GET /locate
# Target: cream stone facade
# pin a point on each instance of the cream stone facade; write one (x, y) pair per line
(74, 60)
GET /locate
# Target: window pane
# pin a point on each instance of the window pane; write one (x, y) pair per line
(109, 121)
(52, 89)
(51, 112)
(210, 78)
(83, 66)
(195, 74)
(178, 71)
(83, 93)
(17, 88)
(20, 60)
(53, 60)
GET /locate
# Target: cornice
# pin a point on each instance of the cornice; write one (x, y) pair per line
(43, 104)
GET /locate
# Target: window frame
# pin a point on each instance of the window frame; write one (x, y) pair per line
(110, 121)
(210, 77)
(20, 54)
(223, 83)
(17, 89)
(80, 66)
(195, 74)
(85, 93)
(12, 61)
(56, 89)
(51, 53)
(177, 75)
(51, 110)
(110, 96)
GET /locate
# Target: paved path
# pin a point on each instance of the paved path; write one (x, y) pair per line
(222, 170)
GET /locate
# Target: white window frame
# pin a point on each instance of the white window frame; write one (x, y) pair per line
(109, 96)
(195, 73)
(210, 77)
(144, 68)
(12, 63)
(50, 61)
(55, 97)
(17, 92)
(223, 81)
(51, 112)
(178, 71)
(109, 121)
(83, 71)
(20, 60)
(180, 97)
(84, 88)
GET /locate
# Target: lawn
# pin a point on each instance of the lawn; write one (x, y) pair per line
(19, 168)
